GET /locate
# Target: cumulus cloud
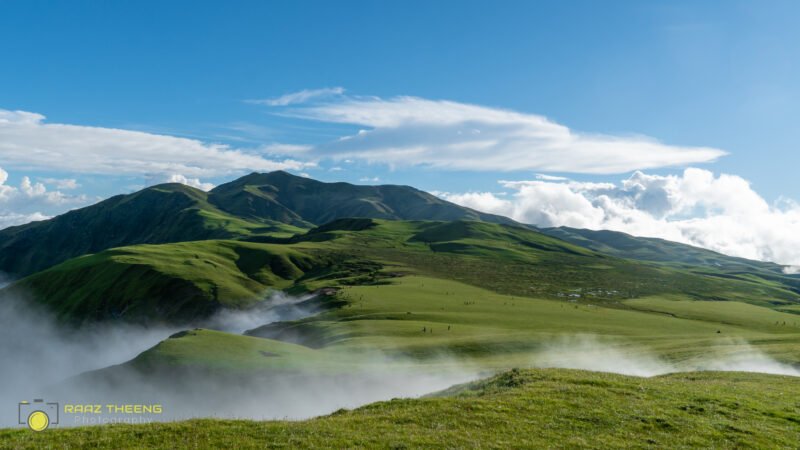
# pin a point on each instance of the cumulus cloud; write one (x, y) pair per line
(62, 183)
(10, 219)
(404, 131)
(178, 178)
(28, 201)
(299, 97)
(718, 212)
(26, 140)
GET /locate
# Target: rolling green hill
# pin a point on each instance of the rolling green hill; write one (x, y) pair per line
(659, 250)
(176, 283)
(528, 408)
(276, 204)
(182, 282)
(437, 295)
(302, 201)
(159, 214)
(437, 321)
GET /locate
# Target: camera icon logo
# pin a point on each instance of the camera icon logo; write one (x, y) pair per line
(37, 414)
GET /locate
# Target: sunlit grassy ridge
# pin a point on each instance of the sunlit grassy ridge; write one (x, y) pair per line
(263, 204)
(170, 282)
(518, 409)
(189, 280)
(447, 323)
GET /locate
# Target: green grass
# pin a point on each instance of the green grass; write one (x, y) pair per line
(438, 295)
(728, 313)
(169, 282)
(189, 280)
(518, 409)
(518, 261)
(155, 215)
(214, 350)
(472, 327)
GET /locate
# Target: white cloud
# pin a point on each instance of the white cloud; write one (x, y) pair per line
(369, 179)
(541, 176)
(62, 183)
(407, 131)
(721, 213)
(27, 141)
(193, 182)
(29, 201)
(10, 219)
(299, 97)
(285, 149)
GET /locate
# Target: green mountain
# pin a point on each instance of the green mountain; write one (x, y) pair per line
(305, 202)
(159, 214)
(185, 282)
(691, 258)
(177, 282)
(274, 203)
(653, 249)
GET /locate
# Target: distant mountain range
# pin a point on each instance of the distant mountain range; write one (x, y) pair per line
(256, 204)
(227, 247)
(265, 207)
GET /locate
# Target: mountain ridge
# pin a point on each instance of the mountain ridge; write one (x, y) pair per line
(255, 204)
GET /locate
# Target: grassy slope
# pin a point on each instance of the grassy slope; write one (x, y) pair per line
(183, 281)
(170, 282)
(531, 409)
(301, 201)
(500, 331)
(215, 350)
(158, 214)
(493, 329)
(518, 261)
(469, 326)
(274, 203)
(675, 254)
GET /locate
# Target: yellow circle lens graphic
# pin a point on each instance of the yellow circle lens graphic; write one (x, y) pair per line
(38, 421)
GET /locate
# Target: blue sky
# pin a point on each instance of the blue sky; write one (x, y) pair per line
(696, 78)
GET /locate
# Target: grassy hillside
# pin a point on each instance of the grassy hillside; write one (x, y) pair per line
(679, 255)
(444, 295)
(439, 322)
(272, 204)
(171, 282)
(159, 214)
(185, 281)
(302, 201)
(653, 249)
(519, 261)
(218, 351)
(529, 408)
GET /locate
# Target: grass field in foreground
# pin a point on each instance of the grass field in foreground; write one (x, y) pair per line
(548, 408)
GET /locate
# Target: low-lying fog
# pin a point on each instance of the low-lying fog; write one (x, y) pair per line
(37, 356)
(589, 352)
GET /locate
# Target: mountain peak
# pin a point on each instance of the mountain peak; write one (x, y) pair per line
(254, 203)
(305, 202)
